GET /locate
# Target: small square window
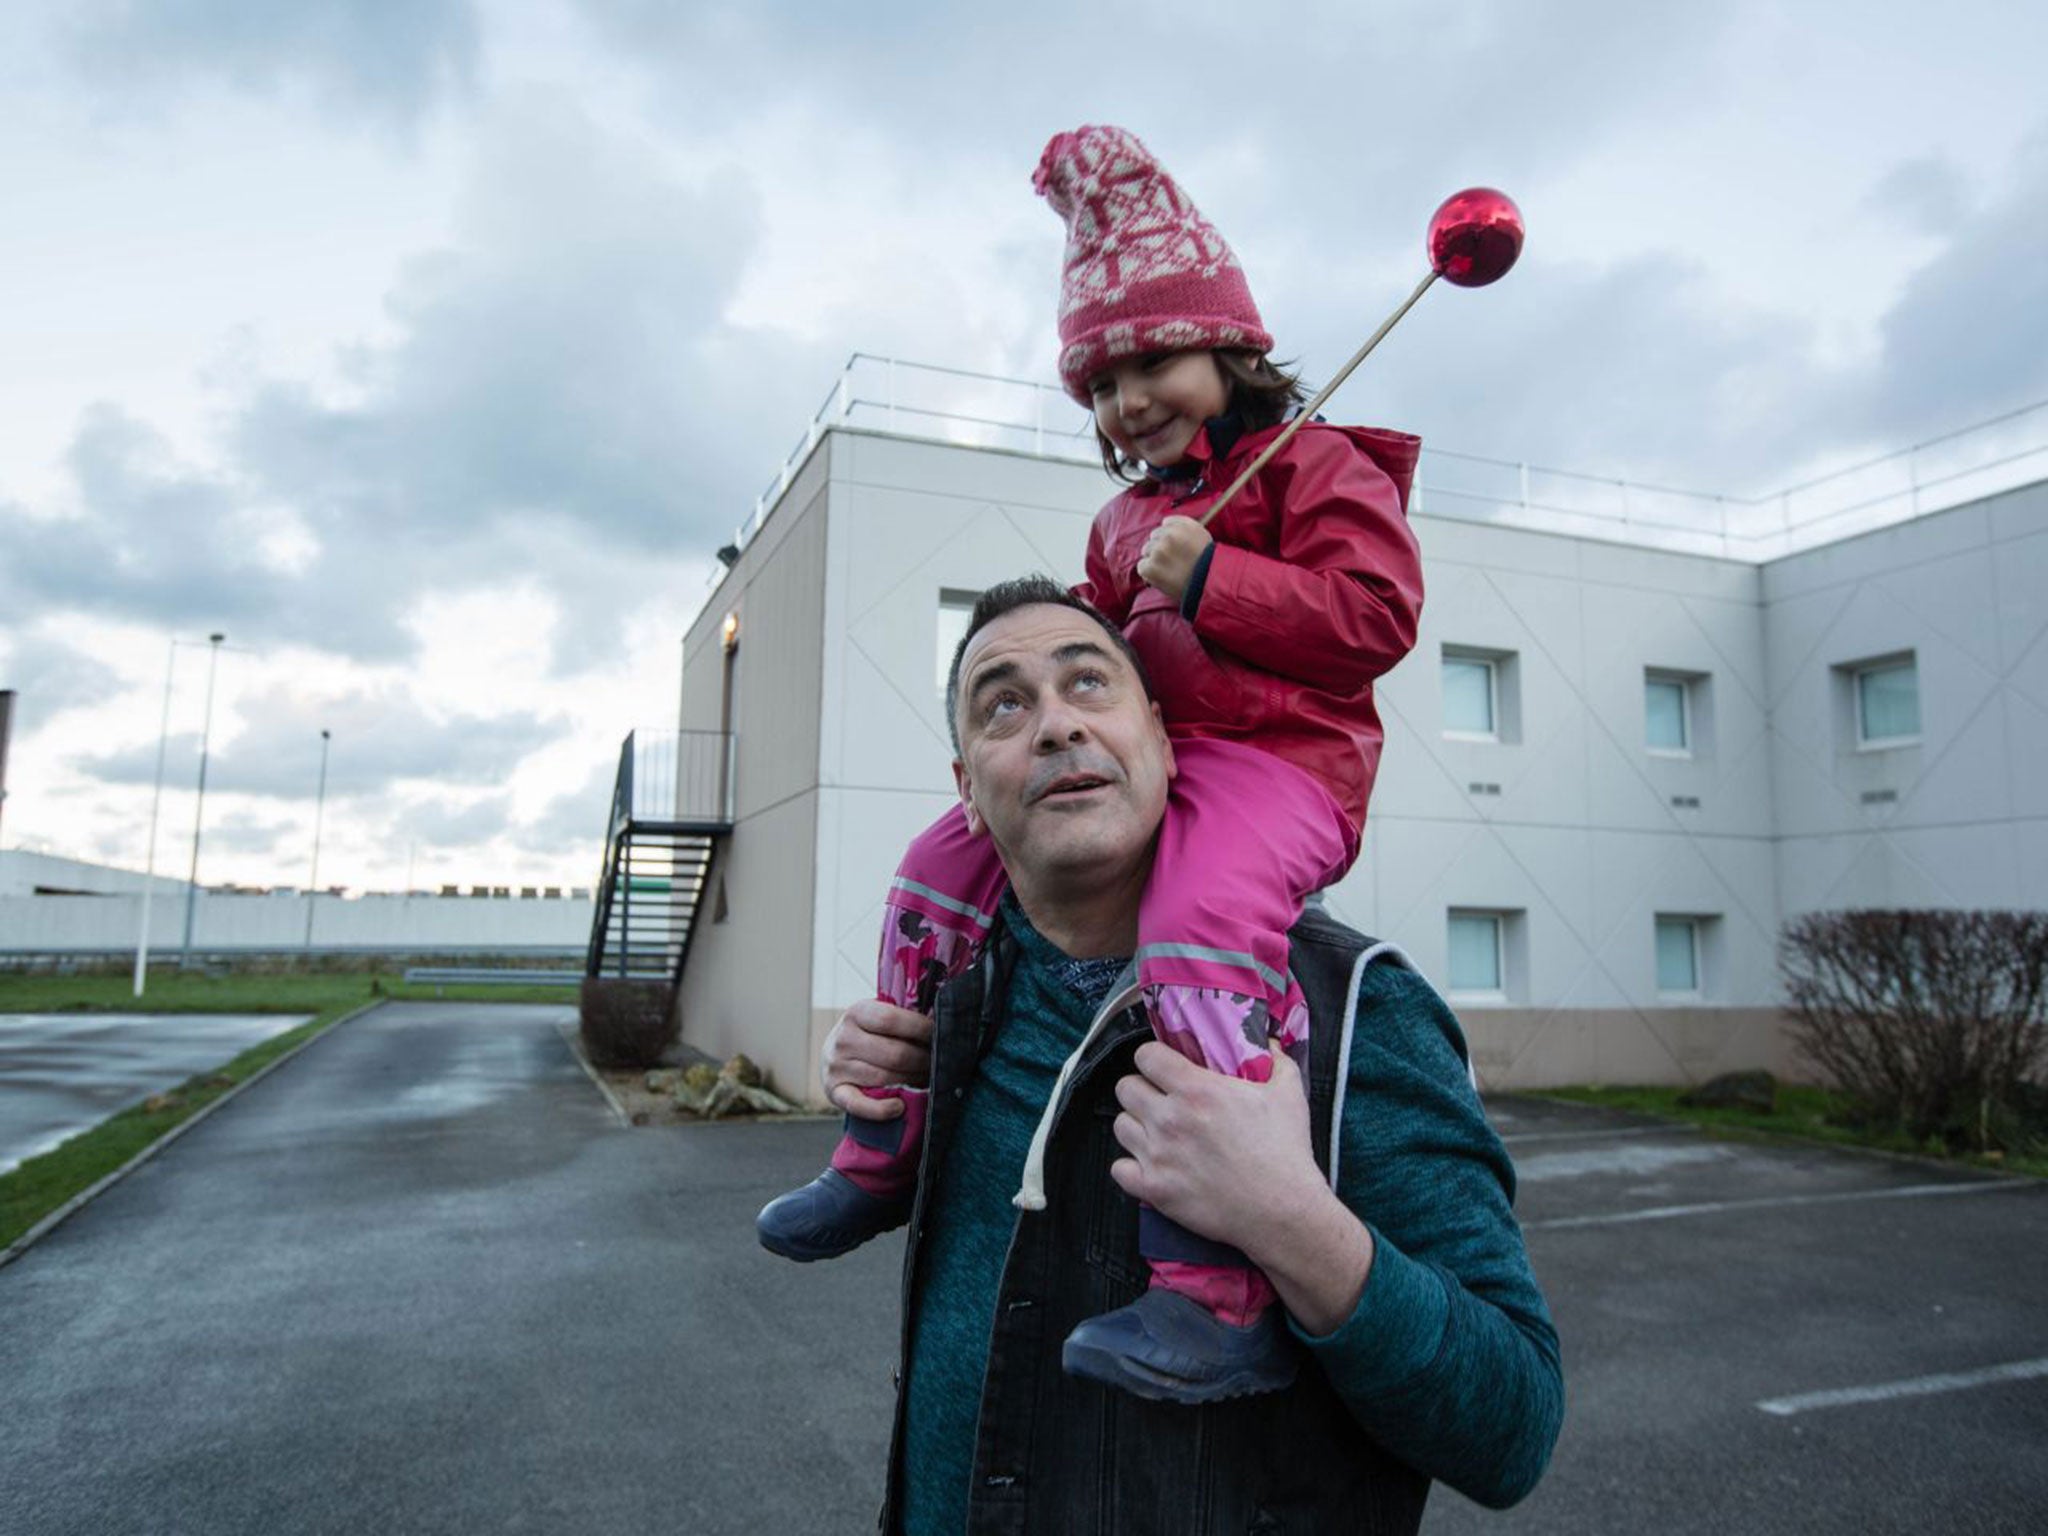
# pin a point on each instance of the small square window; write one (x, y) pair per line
(1470, 697)
(955, 609)
(1475, 952)
(1888, 703)
(1667, 715)
(1678, 956)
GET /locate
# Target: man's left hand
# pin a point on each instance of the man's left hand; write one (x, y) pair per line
(1171, 553)
(1231, 1159)
(1216, 1153)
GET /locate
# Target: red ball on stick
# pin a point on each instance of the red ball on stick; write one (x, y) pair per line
(1474, 237)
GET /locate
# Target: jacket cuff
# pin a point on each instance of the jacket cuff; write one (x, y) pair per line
(1191, 599)
(1394, 1334)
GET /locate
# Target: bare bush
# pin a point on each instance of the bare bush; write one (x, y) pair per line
(627, 1023)
(1935, 1022)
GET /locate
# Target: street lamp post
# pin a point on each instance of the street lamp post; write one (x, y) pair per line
(156, 800)
(199, 810)
(313, 879)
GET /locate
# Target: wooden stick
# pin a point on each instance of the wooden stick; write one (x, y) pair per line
(1307, 412)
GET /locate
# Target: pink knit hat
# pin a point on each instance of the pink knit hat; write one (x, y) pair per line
(1145, 272)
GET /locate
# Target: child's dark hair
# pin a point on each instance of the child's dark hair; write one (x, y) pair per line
(1261, 393)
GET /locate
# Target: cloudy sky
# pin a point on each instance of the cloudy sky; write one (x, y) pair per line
(427, 348)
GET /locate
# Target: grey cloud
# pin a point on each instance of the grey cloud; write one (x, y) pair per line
(565, 403)
(1963, 343)
(440, 824)
(379, 740)
(239, 832)
(572, 820)
(49, 676)
(393, 63)
(1927, 196)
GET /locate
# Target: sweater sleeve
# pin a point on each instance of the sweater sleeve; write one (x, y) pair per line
(1450, 1359)
(1337, 604)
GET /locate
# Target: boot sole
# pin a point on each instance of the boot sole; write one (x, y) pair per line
(1140, 1380)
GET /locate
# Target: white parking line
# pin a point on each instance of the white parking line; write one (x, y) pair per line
(1919, 1386)
(1716, 1207)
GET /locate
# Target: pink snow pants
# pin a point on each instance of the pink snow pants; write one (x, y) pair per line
(1246, 838)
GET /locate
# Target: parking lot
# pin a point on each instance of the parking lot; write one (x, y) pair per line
(422, 1279)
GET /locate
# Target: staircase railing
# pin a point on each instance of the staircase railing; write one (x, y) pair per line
(666, 779)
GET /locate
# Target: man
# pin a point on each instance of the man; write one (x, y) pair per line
(1406, 1286)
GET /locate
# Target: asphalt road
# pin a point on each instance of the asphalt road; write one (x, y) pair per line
(62, 1073)
(421, 1280)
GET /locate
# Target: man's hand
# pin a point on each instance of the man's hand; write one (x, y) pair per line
(1231, 1160)
(1171, 554)
(873, 1045)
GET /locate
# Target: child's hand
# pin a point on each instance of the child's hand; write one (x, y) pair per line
(1171, 554)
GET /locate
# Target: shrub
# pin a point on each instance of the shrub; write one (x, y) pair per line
(627, 1023)
(1933, 1022)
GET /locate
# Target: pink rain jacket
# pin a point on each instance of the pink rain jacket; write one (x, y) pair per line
(1313, 592)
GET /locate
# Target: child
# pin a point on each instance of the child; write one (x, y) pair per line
(1261, 643)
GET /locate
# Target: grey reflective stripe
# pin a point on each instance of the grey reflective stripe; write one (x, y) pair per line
(940, 898)
(1236, 957)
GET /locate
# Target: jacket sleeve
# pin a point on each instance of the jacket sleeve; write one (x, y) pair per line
(1099, 584)
(1450, 1360)
(1338, 605)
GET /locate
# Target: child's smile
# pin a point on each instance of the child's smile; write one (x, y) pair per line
(1151, 407)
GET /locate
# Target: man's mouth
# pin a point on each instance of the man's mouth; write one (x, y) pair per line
(1071, 784)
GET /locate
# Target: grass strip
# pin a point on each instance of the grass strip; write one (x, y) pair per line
(1802, 1114)
(44, 1182)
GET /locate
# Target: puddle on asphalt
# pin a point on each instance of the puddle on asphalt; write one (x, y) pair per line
(1633, 1160)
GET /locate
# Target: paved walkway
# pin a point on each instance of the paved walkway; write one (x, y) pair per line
(62, 1073)
(420, 1280)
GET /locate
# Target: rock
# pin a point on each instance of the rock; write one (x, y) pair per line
(1734, 1090)
(741, 1070)
(664, 1079)
(157, 1103)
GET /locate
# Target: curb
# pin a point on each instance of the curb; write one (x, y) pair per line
(91, 1192)
(570, 1037)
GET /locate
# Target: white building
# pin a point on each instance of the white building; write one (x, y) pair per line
(1639, 730)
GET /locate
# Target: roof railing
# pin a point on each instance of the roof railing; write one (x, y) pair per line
(929, 403)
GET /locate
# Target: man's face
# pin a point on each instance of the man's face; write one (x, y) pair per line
(1063, 760)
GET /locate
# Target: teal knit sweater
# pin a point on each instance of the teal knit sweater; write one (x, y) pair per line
(1450, 1360)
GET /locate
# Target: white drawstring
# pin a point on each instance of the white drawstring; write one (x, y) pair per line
(1030, 1195)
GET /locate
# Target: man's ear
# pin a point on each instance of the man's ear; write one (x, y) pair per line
(1165, 741)
(965, 787)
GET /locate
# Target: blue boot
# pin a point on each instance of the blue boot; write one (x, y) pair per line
(829, 1216)
(1175, 1350)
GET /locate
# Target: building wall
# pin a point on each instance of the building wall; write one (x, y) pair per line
(747, 984)
(1959, 819)
(1567, 824)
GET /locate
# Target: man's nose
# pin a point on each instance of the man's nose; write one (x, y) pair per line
(1060, 725)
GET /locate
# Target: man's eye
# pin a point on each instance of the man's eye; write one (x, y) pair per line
(1090, 680)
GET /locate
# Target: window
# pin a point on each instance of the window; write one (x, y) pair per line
(1471, 697)
(1475, 953)
(1667, 715)
(1678, 956)
(955, 609)
(1888, 702)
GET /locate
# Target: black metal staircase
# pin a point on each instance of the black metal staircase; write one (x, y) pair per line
(671, 810)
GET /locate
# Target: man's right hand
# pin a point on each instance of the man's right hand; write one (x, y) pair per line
(874, 1045)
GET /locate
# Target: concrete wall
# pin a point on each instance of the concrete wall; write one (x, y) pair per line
(1959, 819)
(411, 924)
(1569, 823)
(746, 985)
(23, 873)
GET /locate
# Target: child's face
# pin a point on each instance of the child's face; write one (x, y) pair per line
(1151, 407)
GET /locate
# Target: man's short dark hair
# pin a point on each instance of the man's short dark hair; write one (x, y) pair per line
(1025, 592)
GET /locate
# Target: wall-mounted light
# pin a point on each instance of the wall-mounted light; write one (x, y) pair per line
(728, 554)
(729, 633)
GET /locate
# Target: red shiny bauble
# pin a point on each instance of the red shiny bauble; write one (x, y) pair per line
(1475, 237)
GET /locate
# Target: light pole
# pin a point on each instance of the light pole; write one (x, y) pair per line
(199, 810)
(319, 806)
